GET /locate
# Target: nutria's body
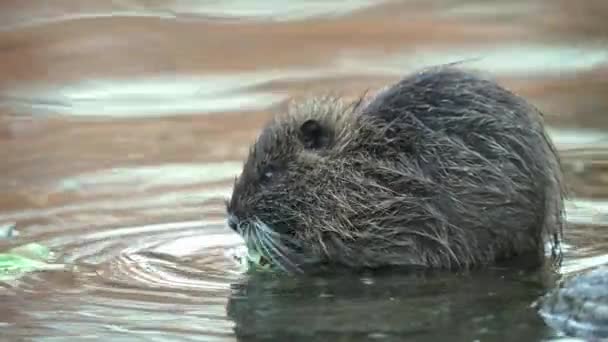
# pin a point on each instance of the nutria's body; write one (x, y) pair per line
(442, 170)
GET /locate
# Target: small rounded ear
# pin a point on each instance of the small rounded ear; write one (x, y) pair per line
(314, 135)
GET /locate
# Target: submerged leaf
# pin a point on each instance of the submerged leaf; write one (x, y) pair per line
(26, 258)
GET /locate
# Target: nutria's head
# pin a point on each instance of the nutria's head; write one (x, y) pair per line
(285, 203)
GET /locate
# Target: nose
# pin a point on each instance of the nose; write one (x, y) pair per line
(233, 222)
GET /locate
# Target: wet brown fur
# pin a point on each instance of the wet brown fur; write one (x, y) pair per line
(444, 169)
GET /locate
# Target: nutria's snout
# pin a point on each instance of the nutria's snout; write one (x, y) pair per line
(444, 169)
(231, 219)
(235, 211)
(268, 241)
(233, 222)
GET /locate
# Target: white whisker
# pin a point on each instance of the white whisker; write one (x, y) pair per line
(272, 241)
(262, 241)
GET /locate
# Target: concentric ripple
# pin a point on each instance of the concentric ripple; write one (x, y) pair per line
(143, 280)
(135, 291)
(130, 282)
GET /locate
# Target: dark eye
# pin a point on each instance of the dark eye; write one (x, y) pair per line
(314, 135)
(268, 173)
(266, 176)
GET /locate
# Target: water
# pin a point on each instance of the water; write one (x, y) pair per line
(124, 123)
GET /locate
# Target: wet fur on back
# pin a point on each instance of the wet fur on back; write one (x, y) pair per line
(444, 169)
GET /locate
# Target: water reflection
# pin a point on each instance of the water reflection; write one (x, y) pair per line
(148, 97)
(187, 10)
(390, 307)
(172, 95)
(515, 60)
(148, 177)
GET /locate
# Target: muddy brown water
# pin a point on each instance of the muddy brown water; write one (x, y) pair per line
(123, 124)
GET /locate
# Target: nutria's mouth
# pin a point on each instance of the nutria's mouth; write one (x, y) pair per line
(258, 259)
(269, 250)
(263, 262)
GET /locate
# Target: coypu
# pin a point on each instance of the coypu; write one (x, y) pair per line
(442, 170)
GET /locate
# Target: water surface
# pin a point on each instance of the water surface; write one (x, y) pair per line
(124, 123)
